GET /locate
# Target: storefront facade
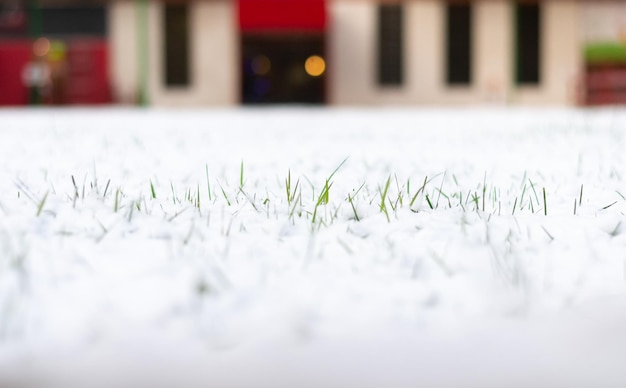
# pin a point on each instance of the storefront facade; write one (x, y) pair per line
(53, 53)
(337, 52)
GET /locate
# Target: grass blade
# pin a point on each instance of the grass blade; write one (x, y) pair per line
(42, 203)
(152, 191)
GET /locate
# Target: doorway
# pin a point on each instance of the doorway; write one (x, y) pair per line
(283, 69)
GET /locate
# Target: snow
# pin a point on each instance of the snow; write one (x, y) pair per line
(244, 289)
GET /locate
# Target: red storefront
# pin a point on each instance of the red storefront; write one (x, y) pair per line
(53, 55)
(283, 51)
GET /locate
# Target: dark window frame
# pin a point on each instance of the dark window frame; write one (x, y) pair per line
(459, 43)
(74, 20)
(528, 43)
(176, 45)
(390, 50)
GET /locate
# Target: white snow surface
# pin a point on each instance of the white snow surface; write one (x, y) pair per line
(220, 280)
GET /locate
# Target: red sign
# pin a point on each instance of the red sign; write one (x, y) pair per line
(88, 78)
(282, 15)
(14, 56)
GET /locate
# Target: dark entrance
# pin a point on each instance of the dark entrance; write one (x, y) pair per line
(282, 51)
(283, 69)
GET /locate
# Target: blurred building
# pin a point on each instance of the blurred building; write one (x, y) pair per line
(340, 52)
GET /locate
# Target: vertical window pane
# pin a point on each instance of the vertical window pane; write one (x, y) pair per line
(528, 33)
(459, 43)
(176, 45)
(390, 54)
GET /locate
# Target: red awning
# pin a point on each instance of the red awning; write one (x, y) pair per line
(282, 15)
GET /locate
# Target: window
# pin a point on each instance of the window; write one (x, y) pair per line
(390, 44)
(459, 43)
(12, 19)
(176, 45)
(75, 20)
(528, 35)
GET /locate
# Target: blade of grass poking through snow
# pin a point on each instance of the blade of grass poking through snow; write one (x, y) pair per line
(532, 186)
(208, 183)
(514, 205)
(42, 203)
(608, 206)
(116, 205)
(24, 189)
(198, 196)
(75, 192)
(429, 203)
(291, 194)
(323, 198)
(521, 199)
(337, 169)
(106, 188)
(484, 189)
(383, 197)
(580, 199)
(130, 212)
(446, 196)
(548, 233)
(173, 193)
(443, 179)
(152, 191)
(224, 194)
(84, 181)
(420, 190)
(399, 198)
(351, 200)
(545, 203)
(288, 187)
(241, 175)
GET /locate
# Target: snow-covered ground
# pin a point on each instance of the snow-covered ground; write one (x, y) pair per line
(313, 248)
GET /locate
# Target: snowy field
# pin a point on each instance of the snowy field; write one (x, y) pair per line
(313, 248)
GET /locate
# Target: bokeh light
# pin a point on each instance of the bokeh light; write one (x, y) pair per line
(41, 47)
(315, 65)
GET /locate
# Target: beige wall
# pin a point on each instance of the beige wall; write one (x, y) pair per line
(352, 52)
(213, 54)
(493, 51)
(123, 51)
(352, 56)
(604, 21)
(561, 52)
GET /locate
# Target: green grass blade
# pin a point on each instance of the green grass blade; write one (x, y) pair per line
(152, 191)
(42, 203)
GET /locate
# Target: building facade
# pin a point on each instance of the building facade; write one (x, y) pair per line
(340, 52)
